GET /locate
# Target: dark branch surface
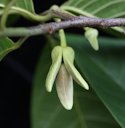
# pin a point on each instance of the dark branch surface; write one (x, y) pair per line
(79, 21)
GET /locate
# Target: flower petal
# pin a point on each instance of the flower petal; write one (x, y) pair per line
(64, 86)
(56, 56)
(91, 34)
(68, 58)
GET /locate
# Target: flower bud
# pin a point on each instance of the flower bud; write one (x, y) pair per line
(91, 34)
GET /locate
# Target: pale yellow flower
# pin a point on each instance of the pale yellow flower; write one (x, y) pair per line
(63, 72)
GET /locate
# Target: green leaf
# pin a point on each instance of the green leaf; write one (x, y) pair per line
(6, 46)
(99, 8)
(47, 112)
(24, 4)
(104, 71)
(24, 8)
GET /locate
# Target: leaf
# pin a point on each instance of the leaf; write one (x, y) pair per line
(99, 8)
(6, 46)
(105, 71)
(47, 112)
(24, 4)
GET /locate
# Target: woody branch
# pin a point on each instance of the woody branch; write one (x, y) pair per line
(68, 22)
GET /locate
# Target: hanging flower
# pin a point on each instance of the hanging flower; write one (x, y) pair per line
(63, 72)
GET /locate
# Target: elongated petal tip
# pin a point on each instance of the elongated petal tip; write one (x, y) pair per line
(68, 58)
(50, 79)
(56, 62)
(76, 75)
(86, 86)
(91, 34)
(64, 86)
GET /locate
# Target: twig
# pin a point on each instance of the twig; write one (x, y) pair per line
(70, 21)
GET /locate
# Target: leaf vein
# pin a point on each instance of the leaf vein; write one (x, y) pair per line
(107, 5)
